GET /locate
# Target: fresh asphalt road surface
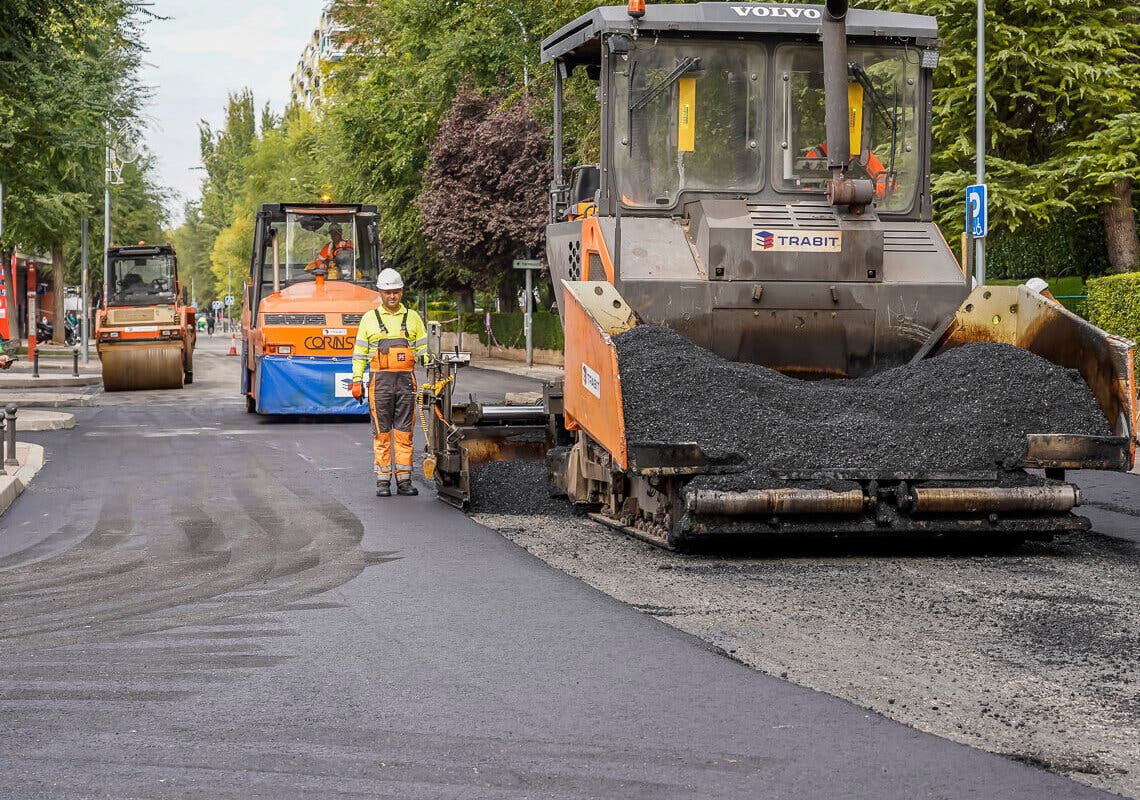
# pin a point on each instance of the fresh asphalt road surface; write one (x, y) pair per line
(195, 602)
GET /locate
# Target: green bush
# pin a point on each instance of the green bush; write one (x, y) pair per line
(1114, 304)
(507, 331)
(1069, 246)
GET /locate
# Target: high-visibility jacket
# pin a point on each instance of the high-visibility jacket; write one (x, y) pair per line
(327, 258)
(391, 340)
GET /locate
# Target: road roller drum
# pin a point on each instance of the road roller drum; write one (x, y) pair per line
(127, 368)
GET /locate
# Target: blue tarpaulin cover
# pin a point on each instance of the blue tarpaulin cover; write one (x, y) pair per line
(306, 386)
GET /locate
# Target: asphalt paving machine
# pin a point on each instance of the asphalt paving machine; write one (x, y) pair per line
(145, 335)
(763, 188)
(312, 278)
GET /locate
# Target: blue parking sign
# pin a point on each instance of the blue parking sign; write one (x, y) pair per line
(977, 217)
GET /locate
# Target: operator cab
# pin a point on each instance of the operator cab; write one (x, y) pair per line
(141, 276)
(717, 100)
(295, 244)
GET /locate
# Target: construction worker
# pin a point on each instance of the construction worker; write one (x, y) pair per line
(390, 338)
(327, 258)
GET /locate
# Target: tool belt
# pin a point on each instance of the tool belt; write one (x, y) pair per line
(393, 353)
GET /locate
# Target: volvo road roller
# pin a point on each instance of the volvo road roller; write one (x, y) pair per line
(313, 276)
(145, 335)
(762, 189)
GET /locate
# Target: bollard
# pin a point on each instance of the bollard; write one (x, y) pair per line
(75, 363)
(10, 435)
(36, 364)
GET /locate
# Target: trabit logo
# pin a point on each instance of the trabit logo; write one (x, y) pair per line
(765, 240)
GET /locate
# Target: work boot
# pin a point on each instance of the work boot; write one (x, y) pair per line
(383, 488)
(406, 489)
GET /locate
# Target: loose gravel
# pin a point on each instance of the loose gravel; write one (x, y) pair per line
(968, 409)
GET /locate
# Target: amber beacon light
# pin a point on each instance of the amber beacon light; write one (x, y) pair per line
(637, 8)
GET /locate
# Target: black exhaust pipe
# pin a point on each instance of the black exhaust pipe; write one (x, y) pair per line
(840, 190)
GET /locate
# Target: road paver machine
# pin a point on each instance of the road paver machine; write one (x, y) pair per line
(763, 188)
(145, 335)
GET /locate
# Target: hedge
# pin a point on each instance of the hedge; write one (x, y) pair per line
(507, 331)
(1069, 246)
(1114, 304)
(472, 323)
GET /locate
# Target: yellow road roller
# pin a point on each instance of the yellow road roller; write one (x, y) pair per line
(145, 331)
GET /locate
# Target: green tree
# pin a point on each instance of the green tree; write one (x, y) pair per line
(1062, 93)
(67, 69)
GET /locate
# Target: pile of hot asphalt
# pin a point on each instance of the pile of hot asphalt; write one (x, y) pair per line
(968, 409)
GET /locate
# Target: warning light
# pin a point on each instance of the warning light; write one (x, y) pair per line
(637, 8)
(326, 198)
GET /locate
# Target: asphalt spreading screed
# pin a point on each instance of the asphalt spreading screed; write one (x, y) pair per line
(967, 409)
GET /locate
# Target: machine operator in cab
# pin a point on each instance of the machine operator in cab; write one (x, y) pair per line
(327, 258)
(390, 339)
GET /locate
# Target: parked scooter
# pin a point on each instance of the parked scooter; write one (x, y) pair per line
(45, 331)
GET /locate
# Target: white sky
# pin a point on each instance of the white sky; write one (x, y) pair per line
(205, 50)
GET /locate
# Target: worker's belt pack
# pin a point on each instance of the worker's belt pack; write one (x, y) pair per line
(390, 355)
(394, 353)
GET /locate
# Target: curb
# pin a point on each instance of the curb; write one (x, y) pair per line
(34, 420)
(11, 486)
(49, 400)
(49, 382)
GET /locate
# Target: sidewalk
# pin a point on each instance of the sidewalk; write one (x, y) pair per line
(56, 386)
(15, 479)
(542, 372)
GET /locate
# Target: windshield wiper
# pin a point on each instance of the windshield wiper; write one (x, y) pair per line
(890, 118)
(686, 64)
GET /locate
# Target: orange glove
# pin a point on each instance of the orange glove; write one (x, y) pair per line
(358, 391)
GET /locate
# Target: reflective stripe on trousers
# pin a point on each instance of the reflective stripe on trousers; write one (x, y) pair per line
(392, 403)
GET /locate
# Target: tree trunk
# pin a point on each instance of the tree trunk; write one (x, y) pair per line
(1120, 229)
(58, 289)
(508, 294)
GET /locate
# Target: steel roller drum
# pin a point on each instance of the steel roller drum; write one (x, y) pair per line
(127, 368)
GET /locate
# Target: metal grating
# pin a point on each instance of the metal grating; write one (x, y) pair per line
(294, 319)
(909, 240)
(811, 216)
(575, 260)
(350, 319)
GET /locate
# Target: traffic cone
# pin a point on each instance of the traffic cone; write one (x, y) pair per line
(233, 345)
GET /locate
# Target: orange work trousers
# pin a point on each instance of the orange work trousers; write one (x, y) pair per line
(391, 399)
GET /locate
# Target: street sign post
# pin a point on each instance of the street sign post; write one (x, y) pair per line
(229, 300)
(977, 226)
(217, 305)
(530, 265)
(977, 216)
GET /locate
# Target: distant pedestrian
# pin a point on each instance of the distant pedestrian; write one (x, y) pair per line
(210, 324)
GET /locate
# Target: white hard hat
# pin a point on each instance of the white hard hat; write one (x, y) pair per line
(388, 280)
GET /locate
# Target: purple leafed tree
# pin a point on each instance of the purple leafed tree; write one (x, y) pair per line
(485, 199)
